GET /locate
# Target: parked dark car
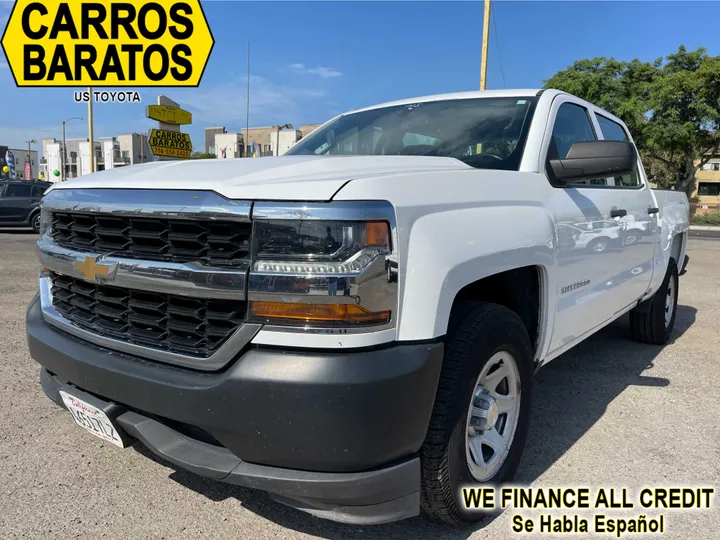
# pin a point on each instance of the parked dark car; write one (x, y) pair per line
(20, 203)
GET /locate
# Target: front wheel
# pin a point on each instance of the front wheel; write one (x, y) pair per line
(35, 223)
(599, 245)
(654, 323)
(481, 413)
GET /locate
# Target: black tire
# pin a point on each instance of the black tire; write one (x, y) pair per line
(648, 323)
(476, 332)
(35, 222)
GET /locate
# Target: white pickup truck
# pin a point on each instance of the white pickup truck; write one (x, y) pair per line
(354, 327)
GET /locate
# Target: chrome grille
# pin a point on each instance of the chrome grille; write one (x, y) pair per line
(178, 324)
(214, 242)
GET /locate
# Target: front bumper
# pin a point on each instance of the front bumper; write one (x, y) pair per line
(336, 433)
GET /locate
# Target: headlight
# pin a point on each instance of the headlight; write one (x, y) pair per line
(318, 247)
(323, 266)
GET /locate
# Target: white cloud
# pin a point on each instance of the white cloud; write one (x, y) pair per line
(324, 72)
(270, 103)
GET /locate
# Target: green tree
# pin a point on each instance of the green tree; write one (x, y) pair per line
(202, 155)
(671, 107)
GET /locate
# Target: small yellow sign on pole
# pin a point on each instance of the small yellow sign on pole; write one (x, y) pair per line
(170, 143)
(168, 114)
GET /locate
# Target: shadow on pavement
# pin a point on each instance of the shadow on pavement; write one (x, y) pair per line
(573, 390)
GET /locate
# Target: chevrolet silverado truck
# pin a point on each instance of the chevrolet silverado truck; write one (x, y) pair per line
(354, 327)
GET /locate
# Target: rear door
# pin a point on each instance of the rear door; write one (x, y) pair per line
(638, 225)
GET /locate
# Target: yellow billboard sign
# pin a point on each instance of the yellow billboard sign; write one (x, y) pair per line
(168, 114)
(67, 43)
(170, 143)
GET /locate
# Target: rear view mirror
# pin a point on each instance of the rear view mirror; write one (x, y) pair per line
(595, 159)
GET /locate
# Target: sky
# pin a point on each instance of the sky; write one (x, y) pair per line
(313, 60)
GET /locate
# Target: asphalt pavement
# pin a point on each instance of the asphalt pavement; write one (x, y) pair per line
(611, 413)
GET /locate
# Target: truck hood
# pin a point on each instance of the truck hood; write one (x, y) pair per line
(299, 178)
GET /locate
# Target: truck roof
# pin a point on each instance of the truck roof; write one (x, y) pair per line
(457, 95)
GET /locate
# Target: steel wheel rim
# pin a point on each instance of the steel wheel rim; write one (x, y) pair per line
(600, 246)
(36, 222)
(670, 302)
(495, 403)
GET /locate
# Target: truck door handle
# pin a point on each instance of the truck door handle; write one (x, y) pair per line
(653, 210)
(618, 212)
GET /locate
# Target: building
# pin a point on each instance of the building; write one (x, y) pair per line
(227, 145)
(267, 138)
(134, 148)
(210, 138)
(307, 129)
(109, 153)
(19, 155)
(286, 139)
(705, 196)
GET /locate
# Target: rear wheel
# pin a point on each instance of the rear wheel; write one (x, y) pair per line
(654, 323)
(481, 414)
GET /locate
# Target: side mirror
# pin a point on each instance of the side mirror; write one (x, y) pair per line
(595, 159)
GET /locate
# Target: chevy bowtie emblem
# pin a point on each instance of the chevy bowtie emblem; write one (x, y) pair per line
(92, 267)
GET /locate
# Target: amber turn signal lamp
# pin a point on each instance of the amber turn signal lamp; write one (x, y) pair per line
(377, 233)
(316, 314)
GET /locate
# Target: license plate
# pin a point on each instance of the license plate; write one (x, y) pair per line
(92, 419)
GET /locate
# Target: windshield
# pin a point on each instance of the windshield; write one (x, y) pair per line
(487, 133)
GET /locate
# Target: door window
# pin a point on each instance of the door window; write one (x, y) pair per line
(612, 131)
(572, 124)
(37, 191)
(18, 190)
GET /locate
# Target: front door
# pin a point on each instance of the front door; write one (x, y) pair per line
(596, 277)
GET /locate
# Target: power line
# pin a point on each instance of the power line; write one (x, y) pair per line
(497, 42)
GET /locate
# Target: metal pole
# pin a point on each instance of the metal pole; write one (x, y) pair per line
(63, 156)
(90, 132)
(142, 147)
(247, 112)
(484, 54)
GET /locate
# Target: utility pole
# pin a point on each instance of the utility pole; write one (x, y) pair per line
(90, 132)
(485, 38)
(246, 142)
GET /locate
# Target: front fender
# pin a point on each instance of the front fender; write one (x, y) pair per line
(448, 250)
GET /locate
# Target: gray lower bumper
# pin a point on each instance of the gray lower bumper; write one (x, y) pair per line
(356, 419)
